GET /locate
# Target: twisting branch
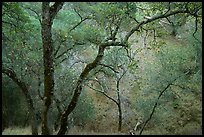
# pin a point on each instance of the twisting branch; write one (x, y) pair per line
(196, 29)
(153, 18)
(58, 47)
(64, 52)
(101, 91)
(129, 54)
(79, 84)
(78, 13)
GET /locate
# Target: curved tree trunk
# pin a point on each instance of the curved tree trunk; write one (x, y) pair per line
(78, 89)
(10, 73)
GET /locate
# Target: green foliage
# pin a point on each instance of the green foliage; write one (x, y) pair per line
(173, 58)
(116, 56)
(109, 15)
(14, 108)
(64, 83)
(12, 12)
(165, 60)
(87, 33)
(144, 106)
(66, 18)
(84, 111)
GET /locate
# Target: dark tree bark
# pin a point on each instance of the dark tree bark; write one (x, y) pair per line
(119, 101)
(78, 89)
(11, 74)
(119, 107)
(48, 15)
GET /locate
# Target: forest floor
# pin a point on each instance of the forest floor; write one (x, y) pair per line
(76, 131)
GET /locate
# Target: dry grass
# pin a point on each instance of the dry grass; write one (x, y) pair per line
(73, 131)
(78, 131)
(17, 131)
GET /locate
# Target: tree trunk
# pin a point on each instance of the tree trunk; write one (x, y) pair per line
(78, 89)
(48, 66)
(119, 101)
(10, 73)
(48, 14)
(119, 107)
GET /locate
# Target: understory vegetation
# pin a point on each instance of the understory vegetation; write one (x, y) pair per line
(101, 68)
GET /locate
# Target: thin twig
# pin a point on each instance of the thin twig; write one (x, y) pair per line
(100, 91)
(104, 65)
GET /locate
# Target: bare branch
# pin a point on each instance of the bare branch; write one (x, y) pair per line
(155, 105)
(38, 16)
(124, 72)
(78, 24)
(127, 6)
(56, 51)
(61, 61)
(169, 7)
(64, 52)
(104, 65)
(81, 20)
(76, 43)
(78, 13)
(79, 61)
(100, 91)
